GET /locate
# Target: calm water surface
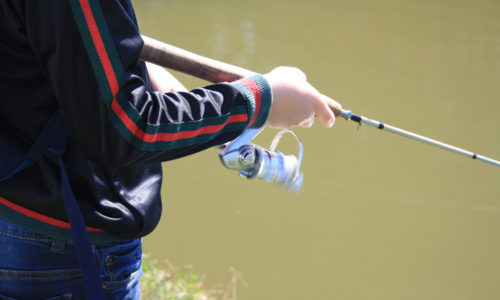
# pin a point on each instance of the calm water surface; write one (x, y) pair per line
(379, 216)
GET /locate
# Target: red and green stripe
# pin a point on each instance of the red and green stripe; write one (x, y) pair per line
(257, 89)
(49, 226)
(110, 75)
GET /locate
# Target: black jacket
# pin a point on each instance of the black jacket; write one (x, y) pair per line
(82, 57)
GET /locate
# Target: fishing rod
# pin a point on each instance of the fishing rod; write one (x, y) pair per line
(348, 115)
(215, 71)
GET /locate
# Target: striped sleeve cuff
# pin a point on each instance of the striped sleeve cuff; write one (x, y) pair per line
(259, 96)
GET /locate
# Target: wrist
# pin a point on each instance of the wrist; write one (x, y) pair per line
(258, 93)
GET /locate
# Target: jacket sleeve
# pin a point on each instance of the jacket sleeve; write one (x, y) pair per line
(89, 50)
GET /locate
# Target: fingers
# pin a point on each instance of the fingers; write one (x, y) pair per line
(334, 106)
(307, 123)
(323, 111)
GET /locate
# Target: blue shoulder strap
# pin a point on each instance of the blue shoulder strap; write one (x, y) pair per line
(53, 138)
(91, 280)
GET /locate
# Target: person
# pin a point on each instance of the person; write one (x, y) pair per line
(123, 117)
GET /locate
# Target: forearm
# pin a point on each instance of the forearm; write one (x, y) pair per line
(162, 80)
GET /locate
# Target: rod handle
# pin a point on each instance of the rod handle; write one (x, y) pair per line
(181, 60)
(202, 67)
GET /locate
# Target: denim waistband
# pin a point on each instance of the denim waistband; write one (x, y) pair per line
(11, 229)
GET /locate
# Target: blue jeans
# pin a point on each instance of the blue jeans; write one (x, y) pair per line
(34, 266)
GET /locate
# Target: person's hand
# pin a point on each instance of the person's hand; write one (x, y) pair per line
(296, 102)
(162, 80)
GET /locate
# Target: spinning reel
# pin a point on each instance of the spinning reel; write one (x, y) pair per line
(253, 161)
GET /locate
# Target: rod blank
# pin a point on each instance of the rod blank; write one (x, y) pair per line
(417, 137)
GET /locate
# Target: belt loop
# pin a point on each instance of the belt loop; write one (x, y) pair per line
(58, 245)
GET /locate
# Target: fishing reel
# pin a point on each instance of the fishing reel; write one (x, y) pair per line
(253, 161)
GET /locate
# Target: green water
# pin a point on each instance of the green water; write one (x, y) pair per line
(379, 216)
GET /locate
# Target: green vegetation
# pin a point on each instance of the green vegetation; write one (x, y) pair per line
(170, 283)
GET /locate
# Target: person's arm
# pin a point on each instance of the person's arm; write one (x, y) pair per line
(296, 102)
(162, 80)
(90, 49)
